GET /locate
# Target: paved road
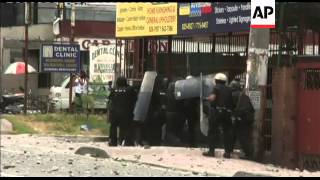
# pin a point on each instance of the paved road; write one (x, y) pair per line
(52, 164)
(25, 155)
(40, 160)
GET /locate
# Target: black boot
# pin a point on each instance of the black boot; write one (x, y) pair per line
(247, 157)
(209, 153)
(227, 155)
(112, 144)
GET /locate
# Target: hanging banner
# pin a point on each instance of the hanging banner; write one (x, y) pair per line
(199, 18)
(102, 62)
(146, 19)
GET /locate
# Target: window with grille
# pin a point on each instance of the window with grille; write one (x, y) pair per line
(312, 79)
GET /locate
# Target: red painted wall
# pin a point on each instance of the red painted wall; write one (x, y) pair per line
(94, 29)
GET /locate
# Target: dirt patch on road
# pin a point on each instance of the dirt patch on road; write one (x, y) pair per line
(41, 127)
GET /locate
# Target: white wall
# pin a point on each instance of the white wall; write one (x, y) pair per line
(36, 32)
(42, 32)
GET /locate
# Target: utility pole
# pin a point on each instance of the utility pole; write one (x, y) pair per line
(1, 63)
(72, 19)
(26, 39)
(256, 81)
(115, 65)
(120, 57)
(188, 65)
(168, 61)
(154, 53)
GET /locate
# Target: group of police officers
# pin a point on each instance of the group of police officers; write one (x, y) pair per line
(175, 122)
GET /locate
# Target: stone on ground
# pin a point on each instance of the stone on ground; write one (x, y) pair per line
(6, 126)
(92, 151)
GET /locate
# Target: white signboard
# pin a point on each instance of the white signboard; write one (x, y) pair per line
(263, 14)
(263, 70)
(85, 43)
(102, 62)
(255, 97)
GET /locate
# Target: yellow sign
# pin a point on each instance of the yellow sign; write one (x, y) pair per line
(184, 10)
(146, 19)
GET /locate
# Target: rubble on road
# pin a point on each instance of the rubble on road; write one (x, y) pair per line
(26, 159)
(94, 152)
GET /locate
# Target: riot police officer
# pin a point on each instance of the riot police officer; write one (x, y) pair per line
(191, 114)
(110, 89)
(221, 104)
(243, 118)
(122, 102)
(163, 99)
(174, 117)
(152, 126)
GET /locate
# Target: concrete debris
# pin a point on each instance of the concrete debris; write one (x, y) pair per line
(115, 172)
(55, 168)
(246, 174)
(93, 152)
(6, 126)
(195, 173)
(8, 166)
(137, 156)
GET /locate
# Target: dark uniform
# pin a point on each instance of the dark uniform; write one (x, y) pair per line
(174, 117)
(243, 117)
(152, 126)
(163, 101)
(190, 108)
(220, 117)
(122, 102)
(110, 89)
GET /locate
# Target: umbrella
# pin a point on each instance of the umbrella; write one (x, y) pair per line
(18, 68)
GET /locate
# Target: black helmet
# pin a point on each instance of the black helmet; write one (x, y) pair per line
(121, 82)
(235, 85)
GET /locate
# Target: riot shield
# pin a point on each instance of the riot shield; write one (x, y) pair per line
(204, 92)
(144, 97)
(207, 86)
(190, 88)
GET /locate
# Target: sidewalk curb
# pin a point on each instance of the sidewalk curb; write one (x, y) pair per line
(86, 138)
(165, 167)
(77, 138)
(203, 173)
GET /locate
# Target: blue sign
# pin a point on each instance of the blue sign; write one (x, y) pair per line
(64, 58)
(232, 17)
(201, 17)
(194, 18)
